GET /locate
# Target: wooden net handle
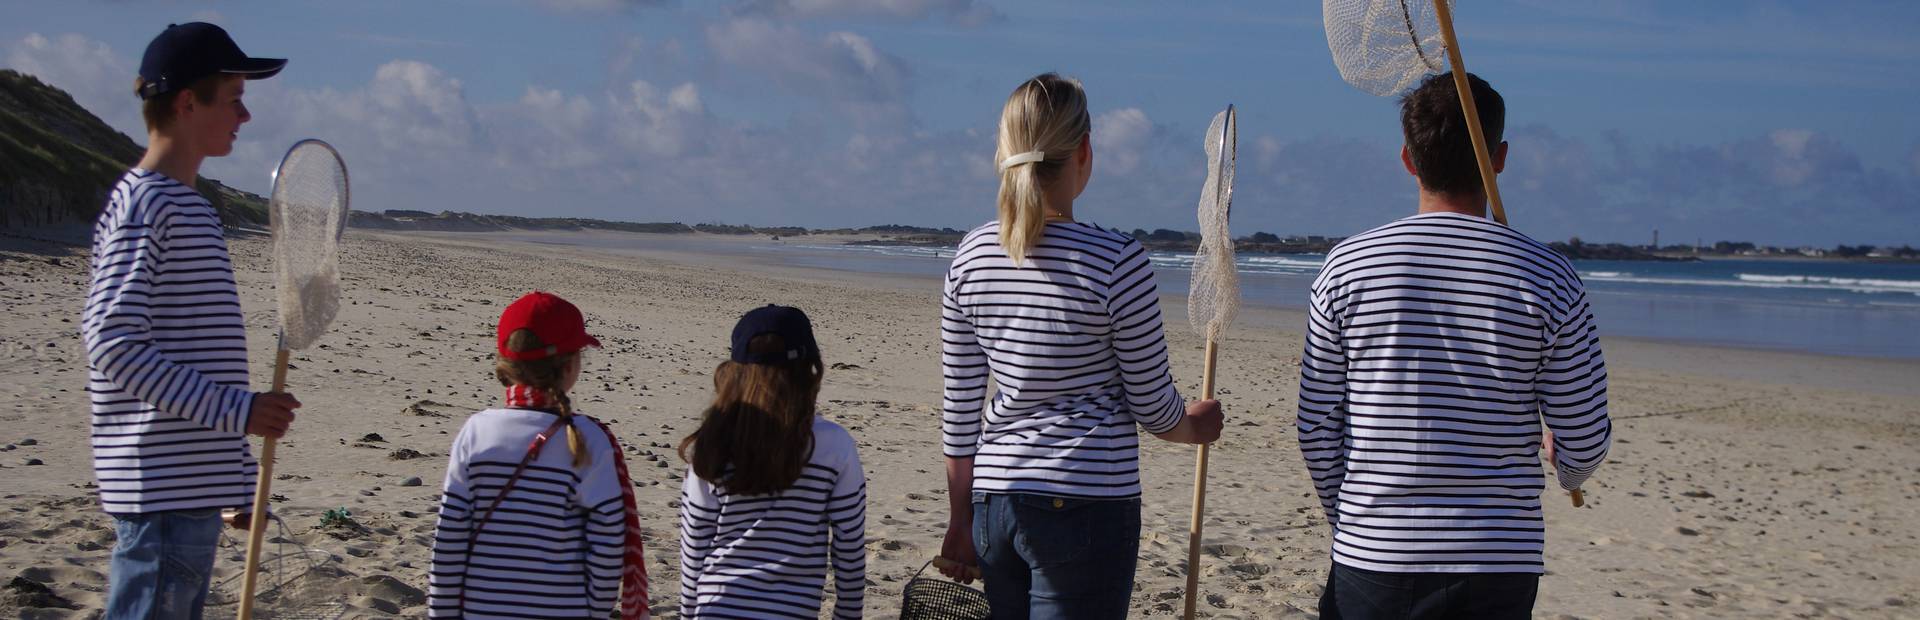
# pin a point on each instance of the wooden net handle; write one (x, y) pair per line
(1481, 153)
(1194, 526)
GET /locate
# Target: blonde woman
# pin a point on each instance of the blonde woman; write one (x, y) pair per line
(1043, 476)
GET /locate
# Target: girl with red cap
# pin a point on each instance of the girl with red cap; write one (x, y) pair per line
(528, 529)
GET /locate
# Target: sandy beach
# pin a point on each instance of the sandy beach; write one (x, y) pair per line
(1742, 484)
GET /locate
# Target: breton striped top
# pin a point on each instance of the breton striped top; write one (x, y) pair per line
(1072, 340)
(166, 353)
(1435, 344)
(554, 546)
(766, 556)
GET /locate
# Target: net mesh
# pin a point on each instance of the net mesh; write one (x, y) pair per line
(1384, 47)
(1214, 296)
(936, 598)
(296, 582)
(308, 213)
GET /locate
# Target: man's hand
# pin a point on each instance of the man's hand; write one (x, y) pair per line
(1546, 446)
(271, 415)
(1201, 425)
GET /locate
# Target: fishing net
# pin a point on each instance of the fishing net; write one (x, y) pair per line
(937, 598)
(294, 581)
(1384, 47)
(308, 212)
(1214, 296)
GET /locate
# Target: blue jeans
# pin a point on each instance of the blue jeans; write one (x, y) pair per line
(1358, 594)
(162, 563)
(1056, 557)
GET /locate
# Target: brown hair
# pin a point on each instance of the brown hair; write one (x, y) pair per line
(158, 110)
(1047, 114)
(543, 374)
(1436, 132)
(757, 435)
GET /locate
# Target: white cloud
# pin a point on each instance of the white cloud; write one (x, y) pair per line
(89, 70)
(601, 5)
(663, 122)
(660, 149)
(960, 12)
(1120, 139)
(840, 66)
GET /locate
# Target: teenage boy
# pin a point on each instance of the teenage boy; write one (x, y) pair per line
(166, 346)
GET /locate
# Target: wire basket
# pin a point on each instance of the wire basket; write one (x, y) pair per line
(938, 598)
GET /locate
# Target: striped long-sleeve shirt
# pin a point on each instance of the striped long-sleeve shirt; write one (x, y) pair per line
(1073, 341)
(554, 546)
(1436, 345)
(767, 556)
(166, 353)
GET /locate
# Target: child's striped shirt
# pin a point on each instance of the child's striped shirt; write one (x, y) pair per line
(166, 353)
(767, 556)
(554, 546)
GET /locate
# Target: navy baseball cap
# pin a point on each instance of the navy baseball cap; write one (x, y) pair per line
(184, 53)
(787, 322)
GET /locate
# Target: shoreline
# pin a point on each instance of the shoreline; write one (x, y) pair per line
(713, 257)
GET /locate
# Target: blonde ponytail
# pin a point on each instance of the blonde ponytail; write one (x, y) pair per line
(1046, 115)
(575, 445)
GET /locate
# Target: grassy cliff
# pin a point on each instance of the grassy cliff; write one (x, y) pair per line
(57, 160)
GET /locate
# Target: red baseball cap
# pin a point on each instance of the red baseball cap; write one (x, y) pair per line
(556, 322)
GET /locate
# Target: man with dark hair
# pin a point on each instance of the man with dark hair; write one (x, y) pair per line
(1439, 149)
(1436, 346)
(166, 346)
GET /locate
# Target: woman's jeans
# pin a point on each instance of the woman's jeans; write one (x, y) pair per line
(162, 562)
(1056, 557)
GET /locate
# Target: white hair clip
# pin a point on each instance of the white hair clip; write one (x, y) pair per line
(1022, 158)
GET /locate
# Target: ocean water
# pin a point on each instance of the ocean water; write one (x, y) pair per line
(1828, 307)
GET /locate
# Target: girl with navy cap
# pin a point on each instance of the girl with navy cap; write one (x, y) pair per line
(529, 528)
(775, 495)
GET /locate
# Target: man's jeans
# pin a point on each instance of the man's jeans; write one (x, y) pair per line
(162, 562)
(1356, 594)
(1056, 557)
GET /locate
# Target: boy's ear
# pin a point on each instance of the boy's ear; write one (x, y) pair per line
(183, 102)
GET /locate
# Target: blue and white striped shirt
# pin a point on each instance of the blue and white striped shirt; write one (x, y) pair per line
(1073, 340)
(554, 547)
(166, 353)
(767, 556)
(1436, 346)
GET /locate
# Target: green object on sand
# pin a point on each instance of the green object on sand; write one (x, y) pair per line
(337, 517)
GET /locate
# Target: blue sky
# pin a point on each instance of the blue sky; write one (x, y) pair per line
(1786, 123)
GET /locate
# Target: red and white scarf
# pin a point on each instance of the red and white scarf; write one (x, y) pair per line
(633, 560)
